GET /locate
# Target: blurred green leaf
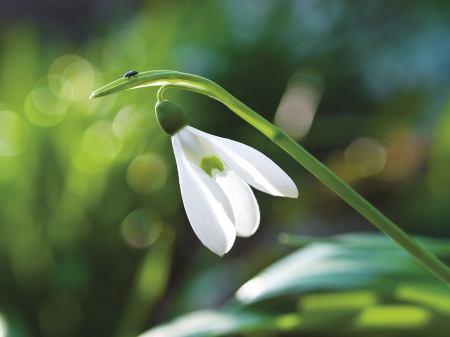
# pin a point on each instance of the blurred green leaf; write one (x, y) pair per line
(342, 284)
(342, 262)
(206, 323)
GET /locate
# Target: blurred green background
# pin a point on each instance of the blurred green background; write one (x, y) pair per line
(94, 240)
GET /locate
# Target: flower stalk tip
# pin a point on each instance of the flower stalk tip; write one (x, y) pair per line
(170, 117)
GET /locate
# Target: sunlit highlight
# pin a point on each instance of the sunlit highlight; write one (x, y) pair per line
(251, 289)
(288, 322)
(3, 327)
(393, 316)
(300, 265)
(430, 297)
(298, 105)
(200, 323)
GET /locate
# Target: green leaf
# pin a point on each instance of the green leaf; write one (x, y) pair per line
(348, 284)
(342, 262)
(206, 323)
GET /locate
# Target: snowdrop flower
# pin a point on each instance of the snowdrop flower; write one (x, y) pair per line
(215, 174)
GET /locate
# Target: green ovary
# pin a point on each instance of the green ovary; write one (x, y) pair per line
(208, 164)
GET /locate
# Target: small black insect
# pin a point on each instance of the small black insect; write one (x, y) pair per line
(130, 74)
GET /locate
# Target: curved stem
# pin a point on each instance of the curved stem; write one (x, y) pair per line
(159, 94)
(206, 87)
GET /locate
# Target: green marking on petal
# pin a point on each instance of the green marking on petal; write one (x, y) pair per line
(210, 163)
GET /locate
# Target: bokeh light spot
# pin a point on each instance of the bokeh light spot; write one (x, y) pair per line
(405, 156)
(81, 75)
(129, 120)
(141, 227)
(48, 102)
(94, 150)
(61, 87)
(124, 123)
(14, 134)
(298, 105)
(131, 148)
(365, 156)
(147, 173)
(39, 117)
(131, 125)
(77, 71)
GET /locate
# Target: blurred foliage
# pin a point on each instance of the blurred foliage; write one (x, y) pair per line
(349, 285)
(94, 240)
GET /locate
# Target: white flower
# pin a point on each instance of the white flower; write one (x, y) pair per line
(214, 176)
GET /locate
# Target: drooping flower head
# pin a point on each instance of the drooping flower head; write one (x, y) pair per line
(215, 174)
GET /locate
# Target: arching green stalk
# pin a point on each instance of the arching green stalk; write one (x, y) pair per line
(168, 79)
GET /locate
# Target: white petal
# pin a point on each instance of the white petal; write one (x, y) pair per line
(251, 165)
(194, 147)
(243, 201)
(207, 207)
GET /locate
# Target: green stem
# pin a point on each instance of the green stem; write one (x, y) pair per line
(206, 87)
